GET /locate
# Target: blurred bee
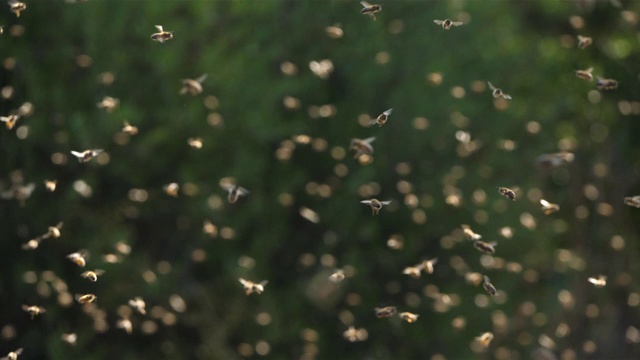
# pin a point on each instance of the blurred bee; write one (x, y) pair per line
(632, 201)
(12, 355)
(585, 74)
(70, 338)
(375, 204)
(469, 233)
(54, 231)
(79, 258)
(32, 244)
(193, 86)
(369, 9)
(548, 208)
(496, 92)
(427, 265)
(234, 192)
(195, 143)
(10, 121)
(161, 36)
(16, 7)
(584, 41)
(600, 281)
(487, 248)
(488, 286)
(33, 310)
(108, 103)
(508, 193)
(125, 324)
(485, 339)
(129, 129)
(554, 160)
(413, 271)
(252, 287)
(447, 23)
(86, 298)
(337, 276)
(362, 146)
(409, 317)
(606, 84)
(352, 334)
(138, 304)
(385, 312)
(381, 119)
(92, 275)
(50, 185)
(19, 192)
(86, 155)
(171, 189)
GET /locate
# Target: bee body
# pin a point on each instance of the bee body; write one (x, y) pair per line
(584, 41)
(487, 248)
(585, 74)
(369, 9)
(485, 339)
(86, 298)
(10, 121)
(497, 92)
(138, 304)
(548, 208)
(252, 287)
(409, 317)
(600, 281)
(79, 258)
(193, 86)
(447, 23)
(375, 204)
(362, 146)
(337, 276)
(161, 36)
(33, 310)
(16, 7)
(385, 312)
(86, 155)
(92, 275)
(488, 286)
(235, 192)
(508, 193)
(606, 84)
(381, 119)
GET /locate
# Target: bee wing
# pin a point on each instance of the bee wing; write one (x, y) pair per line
(589, 70)
(506, 96)
(99, 272)
(365, 4)
(95, 152)
(243, 191)
(491, 85)
(367, 202)
(487, 280)
(369, 140)
(433, 261)
(385, 202)
(494, 244)
(544, 203)
(244, 282)
(159, 27)
(264, 282)
(76, 154)
(456, 23)
(593, 280)
(439, 22)
(388, 112)
(372, 122)
(202, 78)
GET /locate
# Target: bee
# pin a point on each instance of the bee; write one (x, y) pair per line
(125, 324)
(193, 86)
(606, 84)
(385, 312)
(409, 317)
(86, 298)
(10, 121)
(548, 208)
(70, 338)
(427, 265)
(129, 129)
(447, 23)
(369, 9)
(469, 233)
(584, 41)
(161, 36)
(108, 103)
(79, 258)
(413, 271)
(251, 287)
(554, 160)
(16, 7)
(12, 355)
(33, 310)
(585, 74)
(485, 339)
(171, 189)
(488, 286)
(19, 192)
(195, 143)
(375, 204)
(496, 92)
(508, 193)
(92, 275)
(234, 192)
(32, 244)
(487, 248)
(352, 334)
(138, 304)
(362, 146)
(50, 185)
(337, 276)
(86, 155)
(54, 231)
(632, 201)
(381, 119)
(600, 281)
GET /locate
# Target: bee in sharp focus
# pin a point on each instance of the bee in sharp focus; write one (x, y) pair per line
(161, 36)
(86, 298)
(600, 281)
(129, 129)
(606, 84)
(193, 86)
(362, 146)
(92, 275)
(586, 74)
(138, 304)
(508, 193)
(33, 310)
(50, 185)
(251, 287)
(375, 204)
(485, 339)
(584, 41)
(12, 355)
(632, 201)
(488, 286)
(487, 248)
(352, 334)
(548, 208)
(469, 233)
(497, 92)
(86, 155)
(10, 121)
(385, 312)
(369, 9)
(79, 258)
(381, 119)
(16, 7)
(234, 192)
(447, 23)
(337, 276)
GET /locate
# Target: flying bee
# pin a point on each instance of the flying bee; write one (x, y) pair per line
(161, 36)
(485, 339)
(487, 285)
(487, 248)
(12, 355)
(606, 84)
(409, 317)
(172, 189)
(585, 74)
(337, 276)
(70, 338)
(33, 310)
(352, 334)
(129, 129)
(234, 192)
(79, 258)
(554, 160)
(385, 312)
(195, 143)
(10, 121)
(632, 201)
(251, 287)
(108, 103)
(584, 41)
(508, 193)
(193, 86)
(125, 324)
(362, 146)
(19, 192)
(32, 244)
(600, 281)
(548, 208)
(375, 204)
(92, 275)
(413, 271)
(86, 298)
(447, 23)
(427, 265)
(16, 7)
(497, 92)
(381, 119)
(86, 155)
(54, 231)
(138, 304)
(369, 9)
(469, 233)
(50, 185)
